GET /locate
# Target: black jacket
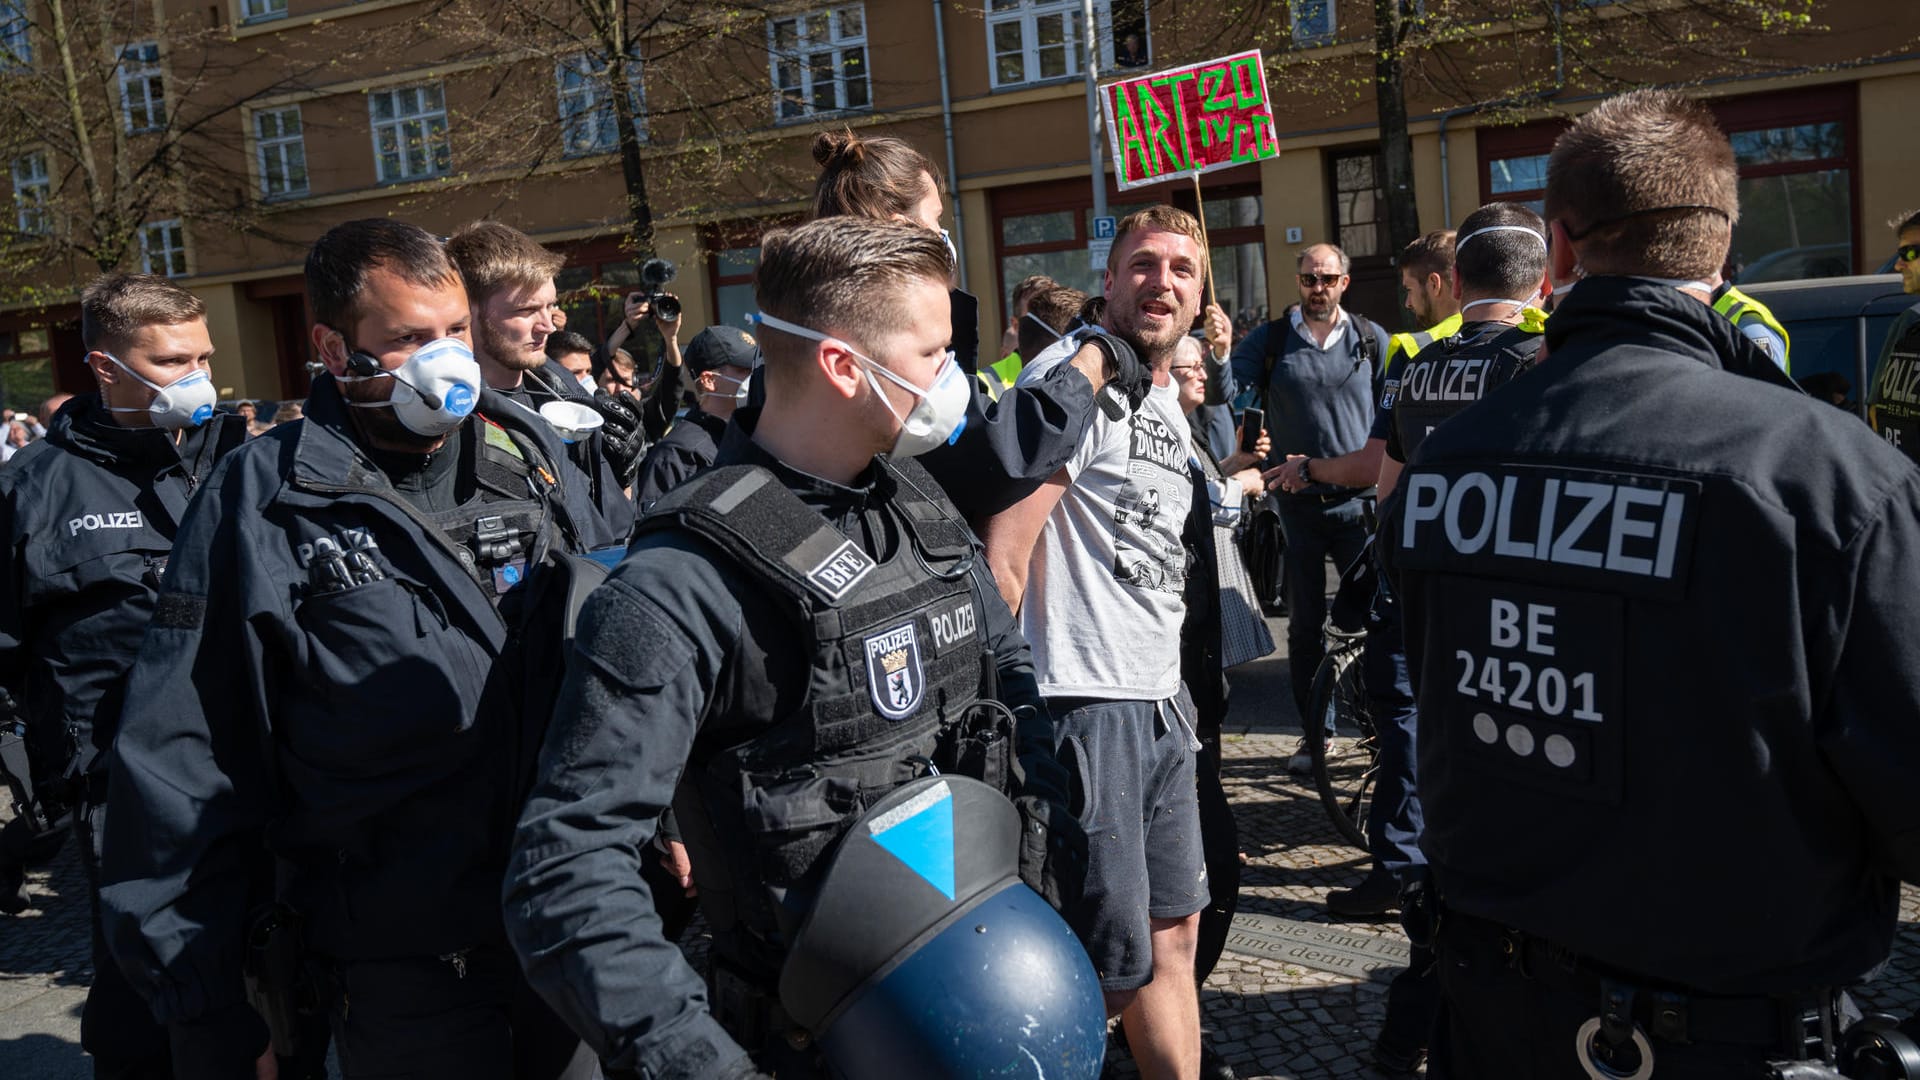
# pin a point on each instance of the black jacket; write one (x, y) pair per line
(90, 513)
(365, 737)
(1665, 634)
(683, 655)
(688, 447)
(1011, 446)
(551, 382)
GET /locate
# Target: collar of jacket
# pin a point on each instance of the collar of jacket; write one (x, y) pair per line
(329, 450)
(84, 427)
(872, 487)
(1603, 312)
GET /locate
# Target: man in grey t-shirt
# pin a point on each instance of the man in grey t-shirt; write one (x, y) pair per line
(1092, 563)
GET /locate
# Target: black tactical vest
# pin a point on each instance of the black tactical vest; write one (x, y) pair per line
(1894, 405)
(1445, 378)
(508, 526)
(896, 688)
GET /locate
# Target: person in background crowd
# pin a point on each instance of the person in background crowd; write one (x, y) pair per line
(722, 359)
(352, 660)
(614, 371)
(51, 406)
(1426, 279)
(1007, 448)
(90, 516)
(1214, 416)
(246, 410)
(1893, 406)
(1319, 372)
(1675, 489)
(18, 436)
(1007, 369)
(574, 353)
(1051, 315)
(1093, 564)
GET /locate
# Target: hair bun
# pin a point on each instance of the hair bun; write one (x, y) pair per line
(838, 149)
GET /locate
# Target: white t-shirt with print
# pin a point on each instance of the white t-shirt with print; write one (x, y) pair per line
(1103, 605)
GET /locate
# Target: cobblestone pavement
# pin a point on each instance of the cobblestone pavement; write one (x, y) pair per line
(1269, 1018)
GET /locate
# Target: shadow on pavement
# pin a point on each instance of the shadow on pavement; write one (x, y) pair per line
(43, 1057)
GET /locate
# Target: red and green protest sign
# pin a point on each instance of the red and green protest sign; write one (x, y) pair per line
(1190, 120)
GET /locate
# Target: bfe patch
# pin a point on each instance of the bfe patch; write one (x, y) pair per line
(896, 677)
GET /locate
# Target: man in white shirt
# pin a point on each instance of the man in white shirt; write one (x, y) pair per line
(1093, 564)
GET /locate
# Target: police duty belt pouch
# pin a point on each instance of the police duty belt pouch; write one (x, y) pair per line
(924, 955)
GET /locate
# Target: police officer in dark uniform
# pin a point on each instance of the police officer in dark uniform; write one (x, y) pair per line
(344, 678)
(509, 282)
(793, 634)
(1663, 627)
(1499, 271)
(90, 514)
(1894, 402)
(722, 360)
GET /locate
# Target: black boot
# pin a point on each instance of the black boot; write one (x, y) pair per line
(1213, 1066)
(1377, 895)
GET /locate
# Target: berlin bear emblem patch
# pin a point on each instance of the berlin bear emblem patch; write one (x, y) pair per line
(895, 676)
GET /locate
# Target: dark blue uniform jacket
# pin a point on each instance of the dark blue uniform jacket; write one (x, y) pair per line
(682, 654)
(1665, 633)
(89, 514)
(362, 736)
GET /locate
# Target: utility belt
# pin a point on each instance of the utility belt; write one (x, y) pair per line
(1812, 1033)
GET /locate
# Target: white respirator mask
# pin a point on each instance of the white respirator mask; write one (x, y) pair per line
(183, 403)
(438, 385)
(941, 414)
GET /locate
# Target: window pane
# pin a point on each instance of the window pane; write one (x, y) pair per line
(1795, 226)
(297, 165)
(1050, 30)
(734, 302)
(1006, 37)
(1240, 283)
(1010, 68)
(1806, 142)
(854, 68)
(817, 28)
(788, 76)
(786, 35)
(1117, 211)
(734, 262)
(382, 106)
(1359, 240)
(1231, 213)
(1070, 268)
(852, 23)
(1518, 174)
(820, 67)
(1054, 227)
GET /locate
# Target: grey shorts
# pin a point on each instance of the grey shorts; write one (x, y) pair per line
(1134, 793)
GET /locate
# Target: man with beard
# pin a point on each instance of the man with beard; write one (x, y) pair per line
(1093, 564)
(335, 709)
(1318, 370)
(509, 282)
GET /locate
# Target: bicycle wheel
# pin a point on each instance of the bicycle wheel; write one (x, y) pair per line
(1343, 768)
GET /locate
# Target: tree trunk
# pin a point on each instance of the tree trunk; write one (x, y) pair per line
(619, 56)
(1396, 147)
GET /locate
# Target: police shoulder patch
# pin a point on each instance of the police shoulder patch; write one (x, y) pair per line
(895, 674)
(841, 570)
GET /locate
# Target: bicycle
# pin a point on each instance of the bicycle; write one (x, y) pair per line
(1344, 769)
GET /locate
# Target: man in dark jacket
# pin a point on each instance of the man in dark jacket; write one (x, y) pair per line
(90, 514)
(331, 695)
(721, 359)
(1664, 629)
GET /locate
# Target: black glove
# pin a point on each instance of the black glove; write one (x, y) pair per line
(1127, 377)
(1419, 910)
(621, 436)
(1053, 852)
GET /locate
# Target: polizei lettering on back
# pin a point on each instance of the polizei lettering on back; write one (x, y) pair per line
(1623, 531)
(121, 519)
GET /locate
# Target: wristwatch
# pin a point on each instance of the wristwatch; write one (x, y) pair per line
(1306, 476)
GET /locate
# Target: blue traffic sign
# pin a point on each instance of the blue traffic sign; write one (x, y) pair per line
(1103, 228)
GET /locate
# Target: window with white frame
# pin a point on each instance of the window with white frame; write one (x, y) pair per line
(143, 95)
(1313, 21)
(262, 10)
(163, 248)
(1039, 40)
(280, 148)
(31, 189)
(410, 132)
(16, 35)
(819, 62)
(587, 121)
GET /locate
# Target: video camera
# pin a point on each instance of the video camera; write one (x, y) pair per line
(654, 274)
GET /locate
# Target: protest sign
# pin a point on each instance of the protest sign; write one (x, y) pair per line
(1190, 120)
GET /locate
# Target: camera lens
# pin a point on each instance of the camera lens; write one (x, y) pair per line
(666, 307)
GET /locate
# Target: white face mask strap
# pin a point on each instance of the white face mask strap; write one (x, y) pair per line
(1681, 283)
(1462, 242)
(135, 376)
(1471, 304)
(1041, 323)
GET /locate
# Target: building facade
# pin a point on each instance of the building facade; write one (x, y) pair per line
(322, 112)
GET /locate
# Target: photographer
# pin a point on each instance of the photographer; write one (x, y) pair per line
(662, 386)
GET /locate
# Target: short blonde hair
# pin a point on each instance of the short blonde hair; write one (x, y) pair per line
(116, 306)
(1166, 219)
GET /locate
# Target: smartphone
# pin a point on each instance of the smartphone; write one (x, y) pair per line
(1252, 421)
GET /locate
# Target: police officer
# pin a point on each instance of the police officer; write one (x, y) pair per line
(1894, 407)
(90, 514)
(1754, 320)
(509, 283)
(721, 359)
(1594, 773)
(344, 677)
(793, 633)
(1426, 277)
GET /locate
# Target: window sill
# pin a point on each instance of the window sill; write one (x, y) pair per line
(1036, 84)
(262, 25)
(255, 20)
(397, 181)
(816, 117)
(285, 196)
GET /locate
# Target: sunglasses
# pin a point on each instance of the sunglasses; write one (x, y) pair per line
(1907, 253)
(1324, 280)
(1187, 371)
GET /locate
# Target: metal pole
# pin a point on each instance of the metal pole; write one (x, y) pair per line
(1094, 127)
(946, 118)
